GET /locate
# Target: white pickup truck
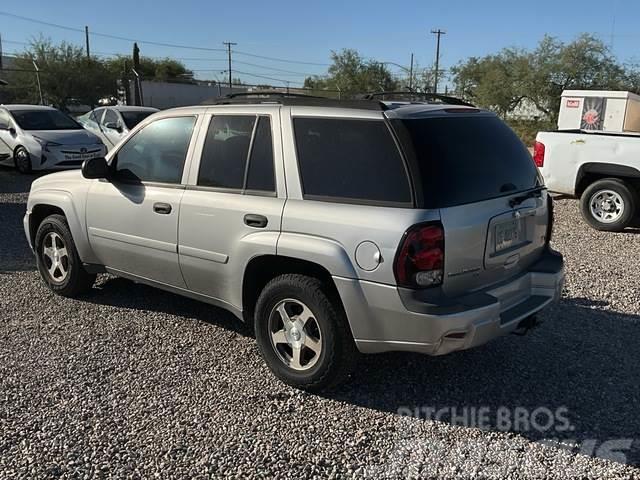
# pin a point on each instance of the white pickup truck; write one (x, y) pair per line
(600, 168)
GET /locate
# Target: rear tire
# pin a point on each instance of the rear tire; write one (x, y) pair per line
(22, 160)
(609, 205)
(57, 258)
(303, 334)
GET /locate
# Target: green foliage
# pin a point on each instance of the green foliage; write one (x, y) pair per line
(68, 77)
(503, 81)
(350, 74)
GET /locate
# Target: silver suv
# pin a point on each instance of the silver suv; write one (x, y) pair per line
(333, 227)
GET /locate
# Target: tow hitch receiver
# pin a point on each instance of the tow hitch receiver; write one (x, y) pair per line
(526, 325)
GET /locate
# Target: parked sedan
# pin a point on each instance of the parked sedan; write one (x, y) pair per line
(34, 137)
(112, 124)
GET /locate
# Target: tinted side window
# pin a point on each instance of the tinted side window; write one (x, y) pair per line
(157, 152)
(350, 159)
(261, 174)
(225, 152)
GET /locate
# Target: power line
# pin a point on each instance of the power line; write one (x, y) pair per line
(281, 59)
(150, 42)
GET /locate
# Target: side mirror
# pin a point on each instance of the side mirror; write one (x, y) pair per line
(95, 168)
(113, 126)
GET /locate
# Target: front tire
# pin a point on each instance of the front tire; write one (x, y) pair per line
(57, 258)
(303, 335)
(22, 160)
(608, 205)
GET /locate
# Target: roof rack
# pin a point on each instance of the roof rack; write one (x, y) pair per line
(424, 96)
(295, 99)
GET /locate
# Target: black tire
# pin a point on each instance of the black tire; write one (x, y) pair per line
(22, 160)
(338, 351)
(622, 219)
(77, 280)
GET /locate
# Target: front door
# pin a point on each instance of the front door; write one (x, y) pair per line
(132, 218)
(231, 211)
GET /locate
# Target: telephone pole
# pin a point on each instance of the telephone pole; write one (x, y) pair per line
(86, 39)
(439, 33)
(411, 75)
(229, 45)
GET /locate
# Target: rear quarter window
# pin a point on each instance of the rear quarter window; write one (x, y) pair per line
(350, 160)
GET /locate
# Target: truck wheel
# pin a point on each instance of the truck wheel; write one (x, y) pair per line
(58, 260)
(608, 205)
(303, 335)
(22, 160)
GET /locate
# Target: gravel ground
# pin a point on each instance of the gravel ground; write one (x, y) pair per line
(133, 382)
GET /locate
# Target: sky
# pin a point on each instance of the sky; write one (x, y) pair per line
(304, 33)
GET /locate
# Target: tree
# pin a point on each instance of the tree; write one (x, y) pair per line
(350, 74)
(66, 75)
(504, 80)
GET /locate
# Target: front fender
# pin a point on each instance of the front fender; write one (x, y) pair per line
(73, 209)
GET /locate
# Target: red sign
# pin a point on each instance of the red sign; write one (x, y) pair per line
(573, 103)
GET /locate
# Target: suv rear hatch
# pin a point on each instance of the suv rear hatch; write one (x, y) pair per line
(473, 168)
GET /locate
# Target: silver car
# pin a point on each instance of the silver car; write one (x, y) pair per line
(33, 137)
(112, 124)
(334, 228)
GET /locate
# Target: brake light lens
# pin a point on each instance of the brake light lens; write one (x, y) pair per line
(538, 154)
(420, 259)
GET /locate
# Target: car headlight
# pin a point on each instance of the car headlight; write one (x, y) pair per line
(46, 144)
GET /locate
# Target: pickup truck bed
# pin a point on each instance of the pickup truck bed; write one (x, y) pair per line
(600, 168)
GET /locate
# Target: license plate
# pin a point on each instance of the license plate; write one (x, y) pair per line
(508, 234)
(79, 156)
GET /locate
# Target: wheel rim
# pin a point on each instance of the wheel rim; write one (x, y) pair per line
(55, 257)
(295, 334)
(606, 206)
(22, 159)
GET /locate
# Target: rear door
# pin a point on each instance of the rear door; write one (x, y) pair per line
(475, 170)
(232, 207)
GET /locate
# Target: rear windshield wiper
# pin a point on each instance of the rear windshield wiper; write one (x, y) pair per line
(536, 192)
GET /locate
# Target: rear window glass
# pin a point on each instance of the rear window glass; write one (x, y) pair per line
(465, 159)
(355, 161)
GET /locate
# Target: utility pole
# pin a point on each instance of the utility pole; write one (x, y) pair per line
(229, 45)
(0, 51)
(137, 94)
(411, 75)
(35, 65)
(86, 40)
(439, 33)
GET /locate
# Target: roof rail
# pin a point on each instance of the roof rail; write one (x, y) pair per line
(295, 99)
(425, 96)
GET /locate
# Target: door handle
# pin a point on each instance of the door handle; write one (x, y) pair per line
(162, 208)
(256, 221)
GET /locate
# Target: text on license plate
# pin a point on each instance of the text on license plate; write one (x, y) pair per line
(508, 234)
(79, 156)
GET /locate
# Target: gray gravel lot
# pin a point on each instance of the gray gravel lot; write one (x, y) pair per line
(134, 382)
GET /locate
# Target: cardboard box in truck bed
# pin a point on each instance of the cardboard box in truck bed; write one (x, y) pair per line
(599, 110)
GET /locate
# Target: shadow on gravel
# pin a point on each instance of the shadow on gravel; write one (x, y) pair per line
(12, 181)
(15, 254)
(120, 292)
(582, 358)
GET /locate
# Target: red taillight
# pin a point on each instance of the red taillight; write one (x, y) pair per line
(538, 154)
(420, 259)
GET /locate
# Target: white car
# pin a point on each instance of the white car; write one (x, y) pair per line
(34, 137)
(112, 124)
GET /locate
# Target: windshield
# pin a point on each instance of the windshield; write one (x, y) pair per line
(131, 119)
(44, 120)
(466, 158)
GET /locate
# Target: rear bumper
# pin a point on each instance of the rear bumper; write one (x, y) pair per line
(383, 318)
